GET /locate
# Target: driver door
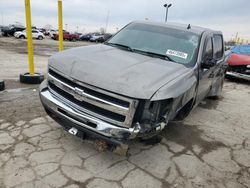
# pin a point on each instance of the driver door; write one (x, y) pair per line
(205, 74)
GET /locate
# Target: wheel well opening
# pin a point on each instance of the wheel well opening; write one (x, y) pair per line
(185, 110)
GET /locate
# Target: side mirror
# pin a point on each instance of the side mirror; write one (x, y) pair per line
(207, 63)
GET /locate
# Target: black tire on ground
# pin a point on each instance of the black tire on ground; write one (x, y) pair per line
(26, 78)
(74, 39)
(40, 38)
(2, 85)
(22, 37)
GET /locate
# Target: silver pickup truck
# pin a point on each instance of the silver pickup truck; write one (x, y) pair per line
(135, 83)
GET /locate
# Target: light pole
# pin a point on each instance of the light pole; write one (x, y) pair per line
(167, 6)
(2, 17)
(107, 21)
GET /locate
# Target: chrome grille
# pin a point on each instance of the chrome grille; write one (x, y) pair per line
(110, 107)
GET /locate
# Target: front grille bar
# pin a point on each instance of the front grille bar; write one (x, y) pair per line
(89, 98)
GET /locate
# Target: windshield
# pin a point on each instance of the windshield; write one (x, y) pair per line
(177, 45)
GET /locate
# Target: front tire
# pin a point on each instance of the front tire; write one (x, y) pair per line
(22, 37)
(40, 38)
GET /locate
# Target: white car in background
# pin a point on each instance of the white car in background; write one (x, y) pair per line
(52, 32)
(36, 34)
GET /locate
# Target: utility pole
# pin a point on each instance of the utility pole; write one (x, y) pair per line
(107, 21)
(167, 6)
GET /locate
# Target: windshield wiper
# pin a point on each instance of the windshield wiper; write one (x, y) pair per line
(165, 57)
(120, 45)
(155, 54)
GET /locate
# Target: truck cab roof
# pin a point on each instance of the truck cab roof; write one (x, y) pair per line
(184, 27)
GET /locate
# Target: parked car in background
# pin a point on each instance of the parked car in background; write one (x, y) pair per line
(52, 32)
(36, 34)
(239, 62)
(11, 29)
(131, 86)
(42, 30)
(106, 37)
(76, 33)
(66, 36)
(101, 38)
(96, 38)
(85, 37)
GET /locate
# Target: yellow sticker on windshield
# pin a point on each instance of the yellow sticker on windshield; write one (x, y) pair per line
(177, 54)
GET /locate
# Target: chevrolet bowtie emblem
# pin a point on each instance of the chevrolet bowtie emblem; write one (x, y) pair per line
(78, 94)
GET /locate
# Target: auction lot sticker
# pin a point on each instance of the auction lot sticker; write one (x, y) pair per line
(177, 54)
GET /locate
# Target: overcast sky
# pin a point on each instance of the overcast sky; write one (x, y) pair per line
(89, 15)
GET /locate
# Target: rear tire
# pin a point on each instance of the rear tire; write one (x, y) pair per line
(26, 78)
(40, 38)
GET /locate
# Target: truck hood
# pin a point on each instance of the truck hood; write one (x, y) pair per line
(119, 71)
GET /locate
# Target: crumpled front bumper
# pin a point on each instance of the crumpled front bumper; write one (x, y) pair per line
(82, 120)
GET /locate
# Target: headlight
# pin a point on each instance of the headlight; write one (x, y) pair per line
(153, 111)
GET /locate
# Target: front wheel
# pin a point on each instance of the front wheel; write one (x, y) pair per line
(22, 37)
(40, 38)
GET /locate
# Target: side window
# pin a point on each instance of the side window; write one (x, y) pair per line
(218, 46)
(34, 31)
(208, 53)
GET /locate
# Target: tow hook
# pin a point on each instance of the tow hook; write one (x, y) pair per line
(73, 131)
